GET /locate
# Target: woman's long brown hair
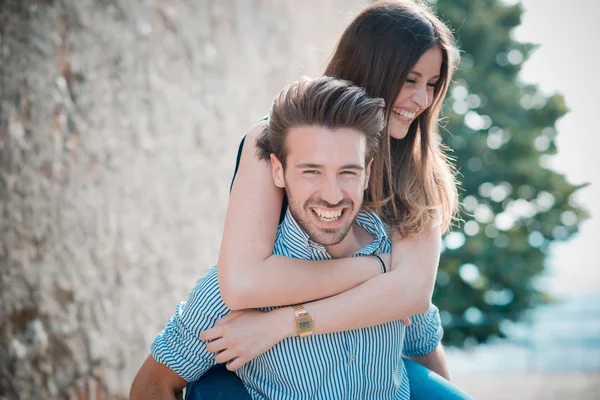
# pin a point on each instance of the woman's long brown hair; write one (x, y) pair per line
(412, 183)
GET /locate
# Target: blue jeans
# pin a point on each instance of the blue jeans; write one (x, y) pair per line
(426, 384)
(217, 384)
(220, 384)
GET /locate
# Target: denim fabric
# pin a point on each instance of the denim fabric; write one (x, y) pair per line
(426, 384)
(217, 384)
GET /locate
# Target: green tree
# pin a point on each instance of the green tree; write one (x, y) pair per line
(501, 132)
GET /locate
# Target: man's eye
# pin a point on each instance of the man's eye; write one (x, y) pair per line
(348, 173)
(311, 172)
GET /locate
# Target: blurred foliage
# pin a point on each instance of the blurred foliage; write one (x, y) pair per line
(502, 134)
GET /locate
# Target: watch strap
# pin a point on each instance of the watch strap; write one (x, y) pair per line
(299, 311)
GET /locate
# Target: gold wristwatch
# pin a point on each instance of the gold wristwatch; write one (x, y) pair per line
(303, 322)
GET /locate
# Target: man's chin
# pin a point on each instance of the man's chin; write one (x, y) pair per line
(325, 233)
(329, 242)
(329, 237)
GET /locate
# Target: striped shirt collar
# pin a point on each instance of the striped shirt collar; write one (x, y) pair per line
(290, 230)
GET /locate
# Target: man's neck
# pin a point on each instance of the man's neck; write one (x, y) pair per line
(357, 238)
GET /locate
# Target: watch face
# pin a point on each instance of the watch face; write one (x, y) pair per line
(304, 324)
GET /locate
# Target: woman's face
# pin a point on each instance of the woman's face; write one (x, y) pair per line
(416, 93)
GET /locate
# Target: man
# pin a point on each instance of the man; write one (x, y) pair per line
(322, 136)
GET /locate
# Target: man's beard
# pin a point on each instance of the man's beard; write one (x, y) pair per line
(324, 236)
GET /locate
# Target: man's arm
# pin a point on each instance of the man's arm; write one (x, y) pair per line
(422, 341)
(178, 355)
(155, 381)
(434, 361)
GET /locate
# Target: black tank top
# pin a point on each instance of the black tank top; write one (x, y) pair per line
(237, 165)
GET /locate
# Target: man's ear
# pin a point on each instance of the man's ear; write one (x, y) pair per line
(368, 174)
(277, 171)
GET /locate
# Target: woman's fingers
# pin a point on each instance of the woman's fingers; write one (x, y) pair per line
(212, 334)
(236, 363)
(224, 356)
(216, 345)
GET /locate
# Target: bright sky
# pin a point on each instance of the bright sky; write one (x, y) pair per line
(568, 62)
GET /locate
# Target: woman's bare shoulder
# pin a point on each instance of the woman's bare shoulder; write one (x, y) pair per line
(257, 129)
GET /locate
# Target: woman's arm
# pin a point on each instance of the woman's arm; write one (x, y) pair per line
(403, 292)
(249, 275)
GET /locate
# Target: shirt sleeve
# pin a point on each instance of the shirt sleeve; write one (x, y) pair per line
(424, 333)
(179, 346)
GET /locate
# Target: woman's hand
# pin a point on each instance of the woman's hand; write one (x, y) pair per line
(243, 335)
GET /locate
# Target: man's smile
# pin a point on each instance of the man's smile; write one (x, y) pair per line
(329, 217)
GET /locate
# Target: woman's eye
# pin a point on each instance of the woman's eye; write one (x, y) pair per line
(409, 80)
(432, 85)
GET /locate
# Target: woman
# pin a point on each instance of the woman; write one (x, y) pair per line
(399, 51)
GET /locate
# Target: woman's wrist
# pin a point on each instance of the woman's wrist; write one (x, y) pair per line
(384, 261)
(283, 322)
(381, 263)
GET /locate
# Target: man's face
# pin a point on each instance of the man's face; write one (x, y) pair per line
(325, 178)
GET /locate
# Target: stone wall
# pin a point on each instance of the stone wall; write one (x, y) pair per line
(119, 124)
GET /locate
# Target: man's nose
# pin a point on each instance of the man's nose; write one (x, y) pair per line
(332, 191)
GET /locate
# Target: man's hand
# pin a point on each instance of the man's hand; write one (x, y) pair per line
(243, 335)
(155, 381)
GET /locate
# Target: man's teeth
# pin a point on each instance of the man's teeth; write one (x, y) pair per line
(328, 216)
(405, 114)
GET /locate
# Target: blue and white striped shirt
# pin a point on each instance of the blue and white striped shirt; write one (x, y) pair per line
(357, 364)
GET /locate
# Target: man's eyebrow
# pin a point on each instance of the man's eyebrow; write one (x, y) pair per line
(421, 75)
(317, 166)
(309, 165)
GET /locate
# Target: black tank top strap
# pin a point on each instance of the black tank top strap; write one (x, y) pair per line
(284, 206)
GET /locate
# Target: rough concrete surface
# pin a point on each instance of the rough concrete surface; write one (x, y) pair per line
(119, 124)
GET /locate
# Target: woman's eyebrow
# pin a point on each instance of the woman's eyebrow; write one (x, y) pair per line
(353, 166)
(420, 75)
